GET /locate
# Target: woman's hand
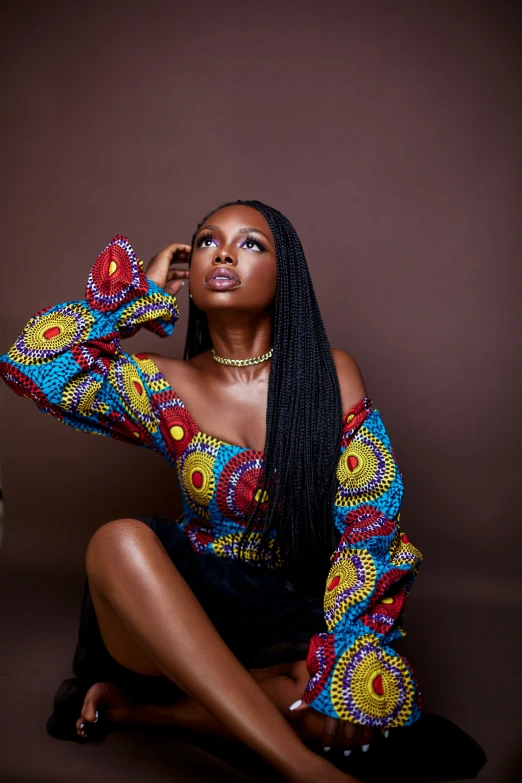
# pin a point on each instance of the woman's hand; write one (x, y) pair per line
(342, 733)
(159, 268)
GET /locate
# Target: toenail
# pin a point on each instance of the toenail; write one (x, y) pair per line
(84, 734)
(96, 718)
(82, 725)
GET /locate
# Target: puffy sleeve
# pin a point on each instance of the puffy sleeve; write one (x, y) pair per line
(355, 674)
(68, 358)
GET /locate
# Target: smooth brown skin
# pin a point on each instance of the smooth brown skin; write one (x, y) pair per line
(149, 618)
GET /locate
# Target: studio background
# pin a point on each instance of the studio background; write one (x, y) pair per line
(389, 134)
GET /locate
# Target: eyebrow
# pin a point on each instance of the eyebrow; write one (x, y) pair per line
(241, 230)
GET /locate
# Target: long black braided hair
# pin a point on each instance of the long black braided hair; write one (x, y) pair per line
(303, 420)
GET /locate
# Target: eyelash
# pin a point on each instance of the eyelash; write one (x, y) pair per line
(248, 238)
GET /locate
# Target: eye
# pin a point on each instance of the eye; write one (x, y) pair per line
(205, 240)
(251, 243)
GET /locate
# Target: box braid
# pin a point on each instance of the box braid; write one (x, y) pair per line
(304, 417)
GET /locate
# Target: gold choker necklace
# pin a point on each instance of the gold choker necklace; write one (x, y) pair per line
(242, 362)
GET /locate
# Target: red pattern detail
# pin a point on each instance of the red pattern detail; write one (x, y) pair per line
(352, 462)
(172, 415)
(405, 539)
(319, 662)
(200, 533)
(362, 523)
(333, 584)
(197, 479)
(53, 331)
(377, 685)
(237, 485)
(353, 419)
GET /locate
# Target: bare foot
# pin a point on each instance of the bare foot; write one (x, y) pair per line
(117, 706)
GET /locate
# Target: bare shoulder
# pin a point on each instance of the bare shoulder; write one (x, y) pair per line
(351, 381)
(167, 366)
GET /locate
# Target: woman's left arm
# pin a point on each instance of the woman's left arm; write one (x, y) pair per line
(355, 675)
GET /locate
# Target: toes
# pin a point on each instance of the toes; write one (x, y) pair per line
(90, 711)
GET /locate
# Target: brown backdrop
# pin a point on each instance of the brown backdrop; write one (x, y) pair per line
(389, 133)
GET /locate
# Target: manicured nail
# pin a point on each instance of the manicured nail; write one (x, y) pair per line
(365, 748)
(182, 282)
(96, 718)
(387, 733)
(295, 704)
(347, 751)
(84, 734)
(327, 748)
(82, 725)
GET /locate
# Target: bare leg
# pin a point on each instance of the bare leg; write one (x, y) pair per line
(134, 583)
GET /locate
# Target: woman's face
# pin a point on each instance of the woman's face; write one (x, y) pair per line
(233, 263)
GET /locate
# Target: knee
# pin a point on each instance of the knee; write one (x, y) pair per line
(114, 540)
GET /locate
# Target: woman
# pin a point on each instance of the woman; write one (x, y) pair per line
(264, 613)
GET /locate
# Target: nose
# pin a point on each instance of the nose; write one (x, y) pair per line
(224, 256)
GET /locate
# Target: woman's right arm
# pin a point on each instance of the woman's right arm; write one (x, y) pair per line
(68, 358)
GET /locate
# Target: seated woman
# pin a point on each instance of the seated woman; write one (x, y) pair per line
(267, 612)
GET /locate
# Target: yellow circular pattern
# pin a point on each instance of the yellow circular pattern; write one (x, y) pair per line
(47, 335)
(177, 432)
(350, 580)
(368, 684)
(365, 470)
(198, 477)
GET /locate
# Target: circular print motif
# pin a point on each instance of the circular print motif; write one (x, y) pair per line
(124, 377)
(371, 687)
(319, 662)
(48, 335)
(350, 581)
(237, 485)
(79, 394)
(200, 533)
(365, 470)
(196, 472)
(115, 277)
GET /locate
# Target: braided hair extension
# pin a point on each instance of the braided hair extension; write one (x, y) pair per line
(304, 418)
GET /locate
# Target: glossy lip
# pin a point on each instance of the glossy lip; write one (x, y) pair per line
(222, 272)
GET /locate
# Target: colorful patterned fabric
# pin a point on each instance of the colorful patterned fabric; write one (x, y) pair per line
(69, 361)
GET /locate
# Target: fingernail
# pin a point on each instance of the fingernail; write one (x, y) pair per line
(295, 704)
(365, 748)
(82, 725)
(347, 752)
(387, 733)
(328, 747)
(182, 282)
(84, 734)
(96, 718)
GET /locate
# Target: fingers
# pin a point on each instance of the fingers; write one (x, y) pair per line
(329, 731)
(159, 267)
(349, 732)
(174, 287)
(365, 737)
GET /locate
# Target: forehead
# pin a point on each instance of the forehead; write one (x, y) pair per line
(238, 216)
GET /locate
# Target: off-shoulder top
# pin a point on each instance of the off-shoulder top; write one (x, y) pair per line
(68, 360)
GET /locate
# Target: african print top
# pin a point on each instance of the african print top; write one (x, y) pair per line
(69, 361)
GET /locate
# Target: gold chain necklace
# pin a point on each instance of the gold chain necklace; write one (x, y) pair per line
(242, 362)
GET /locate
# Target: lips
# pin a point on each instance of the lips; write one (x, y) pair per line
(218, 272)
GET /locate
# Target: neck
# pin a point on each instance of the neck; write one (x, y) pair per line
(241, 338)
